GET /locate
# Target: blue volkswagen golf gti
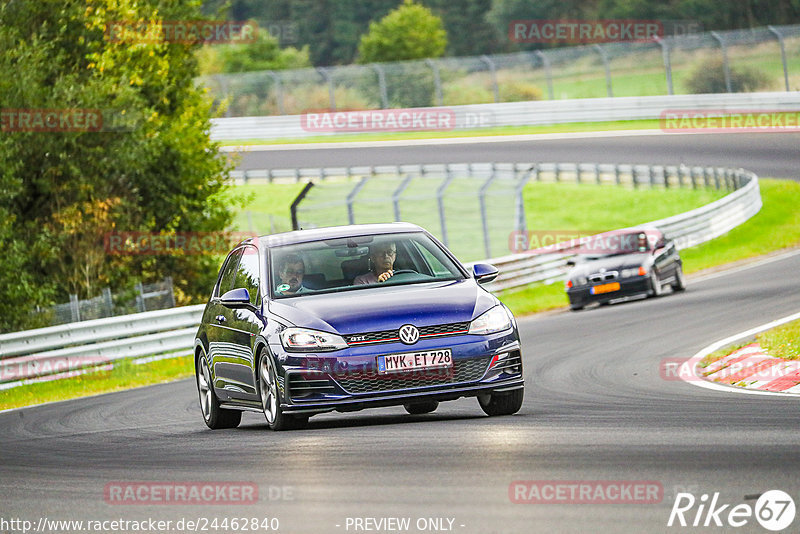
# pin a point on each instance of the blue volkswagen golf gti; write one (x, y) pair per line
(352, 317)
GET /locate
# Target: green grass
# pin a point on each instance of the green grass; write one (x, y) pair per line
(775, 227)
(268, 207)
(124, 375)
(783, 341)
(780, 342)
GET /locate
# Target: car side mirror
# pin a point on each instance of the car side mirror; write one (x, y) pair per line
(571, 262)
(484, 272)
(236, 299)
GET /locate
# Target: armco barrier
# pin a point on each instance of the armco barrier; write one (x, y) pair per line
(25, 355)
(75, 346)
(532, 113)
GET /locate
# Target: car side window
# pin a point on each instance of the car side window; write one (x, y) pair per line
(228, 273)
(247, 274)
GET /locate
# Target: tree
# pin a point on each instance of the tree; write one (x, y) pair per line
(262, 54)
(409, 32)
(150, 168)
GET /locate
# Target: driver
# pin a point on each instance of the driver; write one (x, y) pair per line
(291, 271)
(381, 264)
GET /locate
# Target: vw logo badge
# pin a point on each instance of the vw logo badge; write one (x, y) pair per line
(409, 334)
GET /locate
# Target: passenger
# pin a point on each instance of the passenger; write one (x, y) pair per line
(381, 264)
(290, 273)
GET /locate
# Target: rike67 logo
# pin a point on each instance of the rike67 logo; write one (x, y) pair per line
(774, 510)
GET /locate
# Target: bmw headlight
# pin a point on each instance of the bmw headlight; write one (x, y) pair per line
(307, 340)
(496, 319)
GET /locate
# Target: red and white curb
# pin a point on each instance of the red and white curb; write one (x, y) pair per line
(750, 367)
(747, 370)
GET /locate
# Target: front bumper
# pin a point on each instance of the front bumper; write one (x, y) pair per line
(582, 295)
(348, 380)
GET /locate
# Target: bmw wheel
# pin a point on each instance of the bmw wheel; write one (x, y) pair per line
(214, 416)
(655, 285)
(270, 397)
(418, 408)
(680, 281)
(502, 403)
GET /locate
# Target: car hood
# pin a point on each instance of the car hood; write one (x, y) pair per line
(611, 263)
(386, 308)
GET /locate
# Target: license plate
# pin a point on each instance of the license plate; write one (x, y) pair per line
(410, 361)
(605, 288)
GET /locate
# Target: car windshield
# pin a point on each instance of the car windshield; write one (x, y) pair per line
(615, 243)
(354, 263)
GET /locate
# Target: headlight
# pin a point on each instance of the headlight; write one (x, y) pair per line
(307, 340)
(494, 320)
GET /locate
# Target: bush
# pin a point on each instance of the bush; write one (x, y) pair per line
(708, 77)
(461, 94)
(518, 91)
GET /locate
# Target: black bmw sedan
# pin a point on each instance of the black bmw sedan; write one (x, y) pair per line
(622, 264)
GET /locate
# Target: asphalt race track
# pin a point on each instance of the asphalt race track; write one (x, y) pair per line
(767, 154)
(596, 408)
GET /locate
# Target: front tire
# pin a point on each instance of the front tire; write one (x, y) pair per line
(680, 280)
(655, 285)
(419, 408)
(270, 397)
(502, 403)
(214, 416)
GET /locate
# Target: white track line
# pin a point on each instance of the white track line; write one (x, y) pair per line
(699, 381)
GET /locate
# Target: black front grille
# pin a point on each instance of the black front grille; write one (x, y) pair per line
(511, 364)
(388, 336)
(302, 385)
(463, 371)
(600, 277)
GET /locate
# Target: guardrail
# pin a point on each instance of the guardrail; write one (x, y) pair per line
(530, 113)
(687, 229)
(75, 347)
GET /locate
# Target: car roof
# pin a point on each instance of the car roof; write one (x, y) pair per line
(332, 232)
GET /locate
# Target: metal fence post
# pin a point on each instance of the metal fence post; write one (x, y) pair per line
(725, 65)
(437, 82)
(493, 71)
(326, 75)
(296, 202)
(778, 34)
(667, 63)
(381, 85)
(171, 289)
(109, 301)
(522, 225)
(74, 308)
(440, 201)
(351, 196)
(547, 72)
(140, 297)
(276, 78)
(617, 177)
(487, 245)
(396, 196)
(604, 56)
